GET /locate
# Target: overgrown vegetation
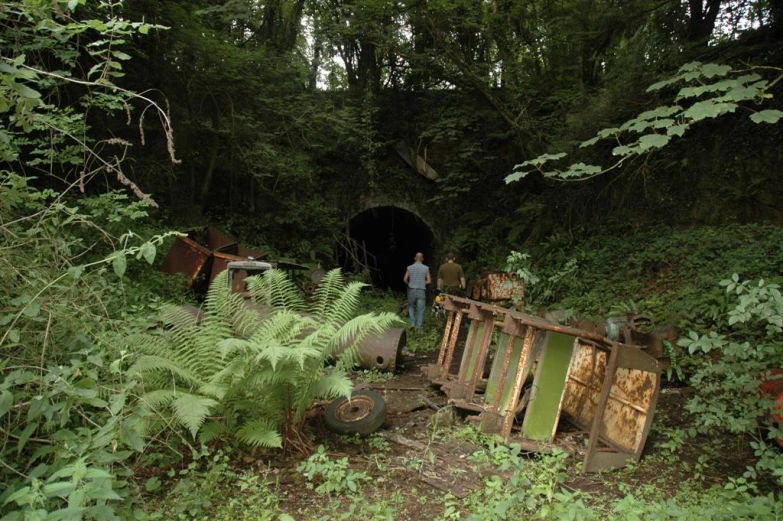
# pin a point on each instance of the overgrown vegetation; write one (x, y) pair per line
(117, 402)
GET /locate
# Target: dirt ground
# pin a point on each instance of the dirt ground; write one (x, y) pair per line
(404, 468)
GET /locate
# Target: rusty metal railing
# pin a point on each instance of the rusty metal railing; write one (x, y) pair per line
(547, 370)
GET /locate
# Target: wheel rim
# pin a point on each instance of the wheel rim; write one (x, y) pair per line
(357, 409)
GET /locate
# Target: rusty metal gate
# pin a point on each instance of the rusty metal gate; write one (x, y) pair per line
(547, 370)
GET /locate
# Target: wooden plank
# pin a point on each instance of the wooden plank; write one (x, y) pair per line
(415, 161)
(549, 384)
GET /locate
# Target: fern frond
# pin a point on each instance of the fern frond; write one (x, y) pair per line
(344, 306)
(275, 289)
(158, 399)
(347, 339)
(259, 433)
(177, 317)
(155, 364)
(211, 431)
(234, 371)
(213, 390)
(334, 383)
(273, 353)
(190, 410)
(327, 292)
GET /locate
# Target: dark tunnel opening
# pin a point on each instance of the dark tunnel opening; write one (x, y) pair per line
(391, 237)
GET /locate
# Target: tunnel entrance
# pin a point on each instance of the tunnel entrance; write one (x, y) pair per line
(391, 237)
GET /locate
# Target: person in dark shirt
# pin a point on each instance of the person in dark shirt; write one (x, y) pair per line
(450, 275)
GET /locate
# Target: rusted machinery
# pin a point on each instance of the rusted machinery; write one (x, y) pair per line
(546, 370)
(498, 286)
(190, 257)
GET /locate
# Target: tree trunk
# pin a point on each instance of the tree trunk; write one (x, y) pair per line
(701, 22)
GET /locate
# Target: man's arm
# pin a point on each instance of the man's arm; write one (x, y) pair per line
(462, 278)
(440, 284)
(406, 277)
(429, 277)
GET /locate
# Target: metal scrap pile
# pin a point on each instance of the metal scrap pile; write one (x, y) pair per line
(542, 370)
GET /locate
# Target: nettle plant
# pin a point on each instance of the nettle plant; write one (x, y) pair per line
(707, 91)
(730, 364)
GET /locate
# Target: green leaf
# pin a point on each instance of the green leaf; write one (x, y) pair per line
(144, 29)
(75, 272)
(516, 176)
(119, 263)
(59, 489)
(72, 4)
(33, 309)
(659, 85)
(26, 433)
(102, 493)
(710, 70)
(651, 141)
(581, 170)
(148, 251)
(766, 116)
(677, 130)
(589, 142)
(17, 496)
(703, 110)
(26, 92)
(117, 402)
(121, 55)
(13, 335)
(622, 150)
(9, 69)
(6, 401)
(153, 484)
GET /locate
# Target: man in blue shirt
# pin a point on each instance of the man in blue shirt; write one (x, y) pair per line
(417, 276)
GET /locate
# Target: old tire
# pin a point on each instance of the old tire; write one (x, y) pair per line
(363, 414)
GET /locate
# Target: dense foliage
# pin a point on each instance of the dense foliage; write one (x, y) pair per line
(280, 120)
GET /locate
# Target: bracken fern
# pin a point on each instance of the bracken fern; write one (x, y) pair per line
(250, 369)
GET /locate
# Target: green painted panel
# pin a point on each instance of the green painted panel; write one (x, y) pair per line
(497, 367)
(548, 386)
(474, 355)
(474, 335)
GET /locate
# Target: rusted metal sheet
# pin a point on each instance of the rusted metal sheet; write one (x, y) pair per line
(187, 257)
(220, 263)
(250, 253)
(499, 286)
(219, 241)
(603, 386)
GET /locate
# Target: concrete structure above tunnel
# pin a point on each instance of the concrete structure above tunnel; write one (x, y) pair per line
(392, 233)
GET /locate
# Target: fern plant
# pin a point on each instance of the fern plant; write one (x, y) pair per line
(250, 369)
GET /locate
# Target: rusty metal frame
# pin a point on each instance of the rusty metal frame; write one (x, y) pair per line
(608, 389)
(188, 257)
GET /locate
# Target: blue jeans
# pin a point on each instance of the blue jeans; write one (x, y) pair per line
(416, 302)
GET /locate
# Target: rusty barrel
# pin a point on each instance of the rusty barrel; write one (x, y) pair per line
(382, 352)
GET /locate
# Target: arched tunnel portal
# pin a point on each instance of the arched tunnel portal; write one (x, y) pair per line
(391, 237)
